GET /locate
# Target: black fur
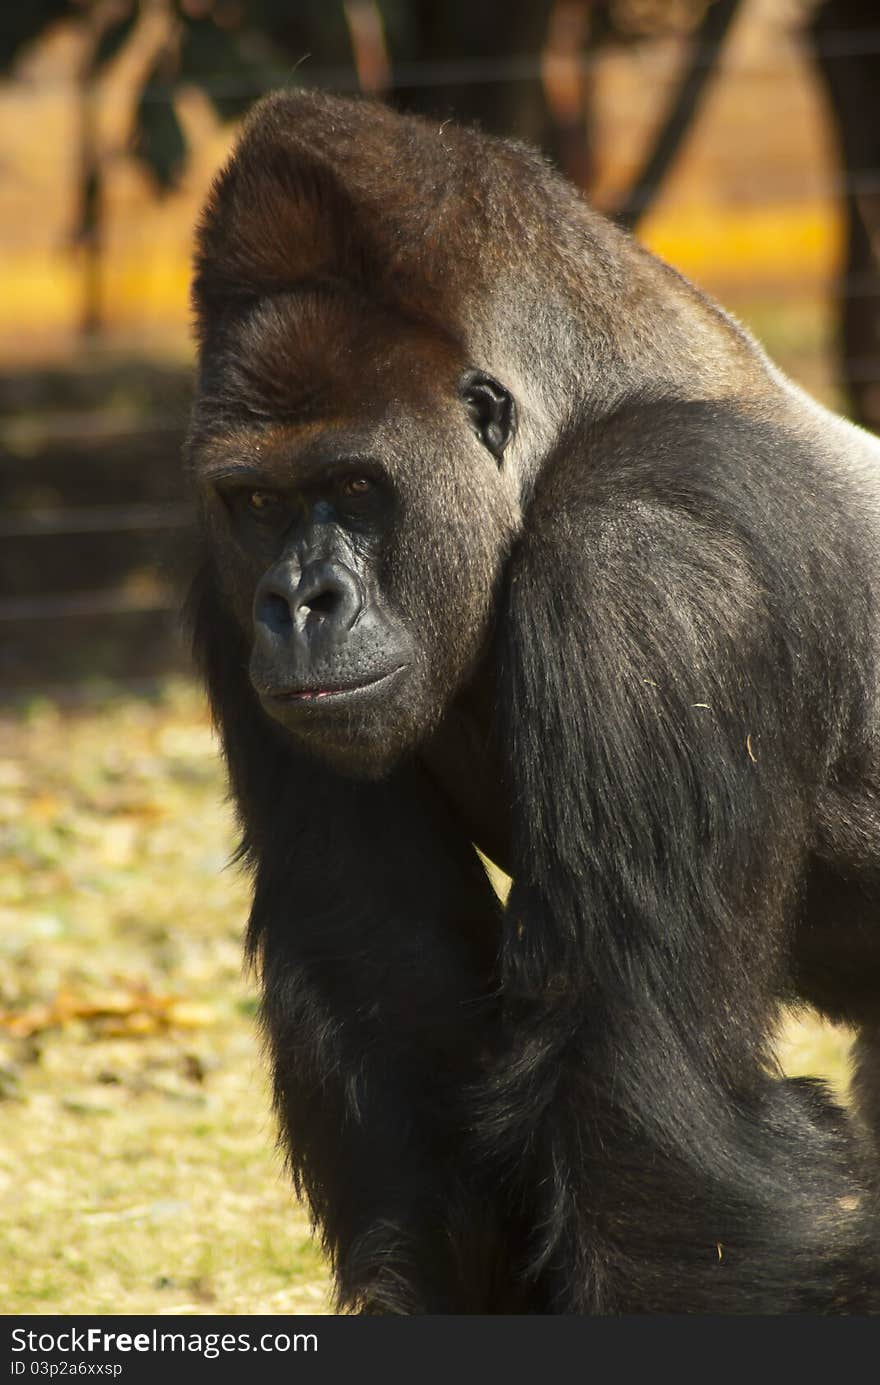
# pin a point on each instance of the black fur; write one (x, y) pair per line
(622, 580)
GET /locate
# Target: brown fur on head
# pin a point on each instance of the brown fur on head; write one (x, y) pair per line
(330, 348)
(475, 235)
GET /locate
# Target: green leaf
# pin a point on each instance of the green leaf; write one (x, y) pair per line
(159, 141)
(210, 58)
(24, 23)
(113, 38)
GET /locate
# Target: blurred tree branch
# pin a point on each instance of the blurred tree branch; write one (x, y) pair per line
(845, 36)
(707, 42)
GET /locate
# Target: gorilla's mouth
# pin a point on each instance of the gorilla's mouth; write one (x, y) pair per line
(336, 692)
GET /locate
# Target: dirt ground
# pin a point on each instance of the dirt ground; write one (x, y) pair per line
(138, 1169)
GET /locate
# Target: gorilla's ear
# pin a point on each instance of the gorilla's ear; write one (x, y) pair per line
(491, 410)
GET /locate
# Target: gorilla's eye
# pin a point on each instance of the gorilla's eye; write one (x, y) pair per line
(355, 487)
(262, 502)
(491, 410)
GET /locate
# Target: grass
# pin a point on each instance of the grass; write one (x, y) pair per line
(138, 1172)
(137, 1165)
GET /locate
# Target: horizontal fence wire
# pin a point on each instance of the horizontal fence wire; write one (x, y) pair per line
(80, 604)
(527, 67)
(97, 519)
(866, 184)
(81, 426)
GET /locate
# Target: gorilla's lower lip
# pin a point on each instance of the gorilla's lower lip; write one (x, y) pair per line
(333, 692)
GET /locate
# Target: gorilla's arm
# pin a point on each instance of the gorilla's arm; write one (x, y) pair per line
(677, 694)
(375, 931)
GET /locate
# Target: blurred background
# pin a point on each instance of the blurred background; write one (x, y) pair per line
(739, 139)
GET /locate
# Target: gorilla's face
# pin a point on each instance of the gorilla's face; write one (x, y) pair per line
(357, 503)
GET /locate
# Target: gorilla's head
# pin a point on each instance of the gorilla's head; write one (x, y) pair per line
(351, 467)
(356, 441)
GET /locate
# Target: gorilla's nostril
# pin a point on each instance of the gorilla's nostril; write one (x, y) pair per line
(328, 598)
(275, 612)
(324, 603)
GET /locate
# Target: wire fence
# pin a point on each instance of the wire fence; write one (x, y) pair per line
(488, 71)
(31, 528)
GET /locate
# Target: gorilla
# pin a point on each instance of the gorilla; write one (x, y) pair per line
(514, 542)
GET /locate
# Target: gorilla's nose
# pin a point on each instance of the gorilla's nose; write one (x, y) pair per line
(327, 597)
